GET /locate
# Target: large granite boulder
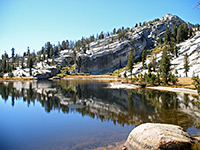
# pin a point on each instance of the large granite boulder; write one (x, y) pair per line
(155, 136)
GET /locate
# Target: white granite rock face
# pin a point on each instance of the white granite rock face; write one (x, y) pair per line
(108, 54)
(42, 70)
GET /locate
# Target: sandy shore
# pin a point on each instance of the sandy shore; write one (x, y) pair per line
(173, 89)
(119, 85)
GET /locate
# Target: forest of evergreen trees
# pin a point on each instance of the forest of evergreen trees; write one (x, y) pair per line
(179, 33)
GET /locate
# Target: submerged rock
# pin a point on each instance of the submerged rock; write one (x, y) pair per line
(155, 136)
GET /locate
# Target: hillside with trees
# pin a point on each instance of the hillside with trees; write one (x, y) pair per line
(105, 52)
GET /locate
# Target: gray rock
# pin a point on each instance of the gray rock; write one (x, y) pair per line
(108, 60)
(155, 136)
(105, 56)
(66, 57)
(46, 73)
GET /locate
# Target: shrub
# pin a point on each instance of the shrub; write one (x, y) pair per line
(173, 79)
(125, 76)
(197, 83)
(10, 75)
(61, 75)
(1, 75)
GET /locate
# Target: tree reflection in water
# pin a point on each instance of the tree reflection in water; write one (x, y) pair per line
(93, 99)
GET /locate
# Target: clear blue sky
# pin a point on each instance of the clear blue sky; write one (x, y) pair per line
(34, 22)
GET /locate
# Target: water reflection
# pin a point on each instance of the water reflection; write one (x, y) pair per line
(119, 106)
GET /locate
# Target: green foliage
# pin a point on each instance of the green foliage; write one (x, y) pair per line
(122, 35)
(130, 63)
(165, 66)
(22, 63)
(13, 52)
(80, 74)
(182, 33)
(4, 64)
(167, 35)
(196, 146)
(1, 75)
(174, 32)
(10, 74)
(117, 72)
(153, 63)
(149, 67)
(173, 79)
(158, 78)
(144, 55)
(53, 60)
(125, 76)
(61, 75)
(197, 83)
(176, 51)
(186, 64)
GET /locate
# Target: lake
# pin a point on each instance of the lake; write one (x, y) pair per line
(80, 114)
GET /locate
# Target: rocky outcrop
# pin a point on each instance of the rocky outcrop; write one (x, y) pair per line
(41, 71)
(108, 59)
(65, 57)
(46, 73)
(106, 55)
(155, 136)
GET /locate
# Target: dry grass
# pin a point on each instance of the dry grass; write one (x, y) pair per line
(16, 78)
(89, 76)
(186, 82)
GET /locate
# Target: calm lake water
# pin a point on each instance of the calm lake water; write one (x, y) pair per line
(84, 114)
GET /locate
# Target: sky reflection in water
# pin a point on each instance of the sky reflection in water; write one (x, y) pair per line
(84, 115)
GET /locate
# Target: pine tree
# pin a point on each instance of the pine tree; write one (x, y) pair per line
(185, 31)
(130, 63)
(114, 31)
(63, 45)
(186, 64)
(22, 63)
(51, 52)
(174, 32)
(144, 55)
(48, 46)
(176, 51)
(190, 32)
(67, 44)
(28, 50)
(3, 65)
(13, 52)
(53, 60)
(39, 58)
(167, 35)
(30, 66)
(179, 37)
(154, 63)
(165, 66)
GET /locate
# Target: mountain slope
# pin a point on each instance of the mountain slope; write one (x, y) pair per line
(112, 52)
(190, 46)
